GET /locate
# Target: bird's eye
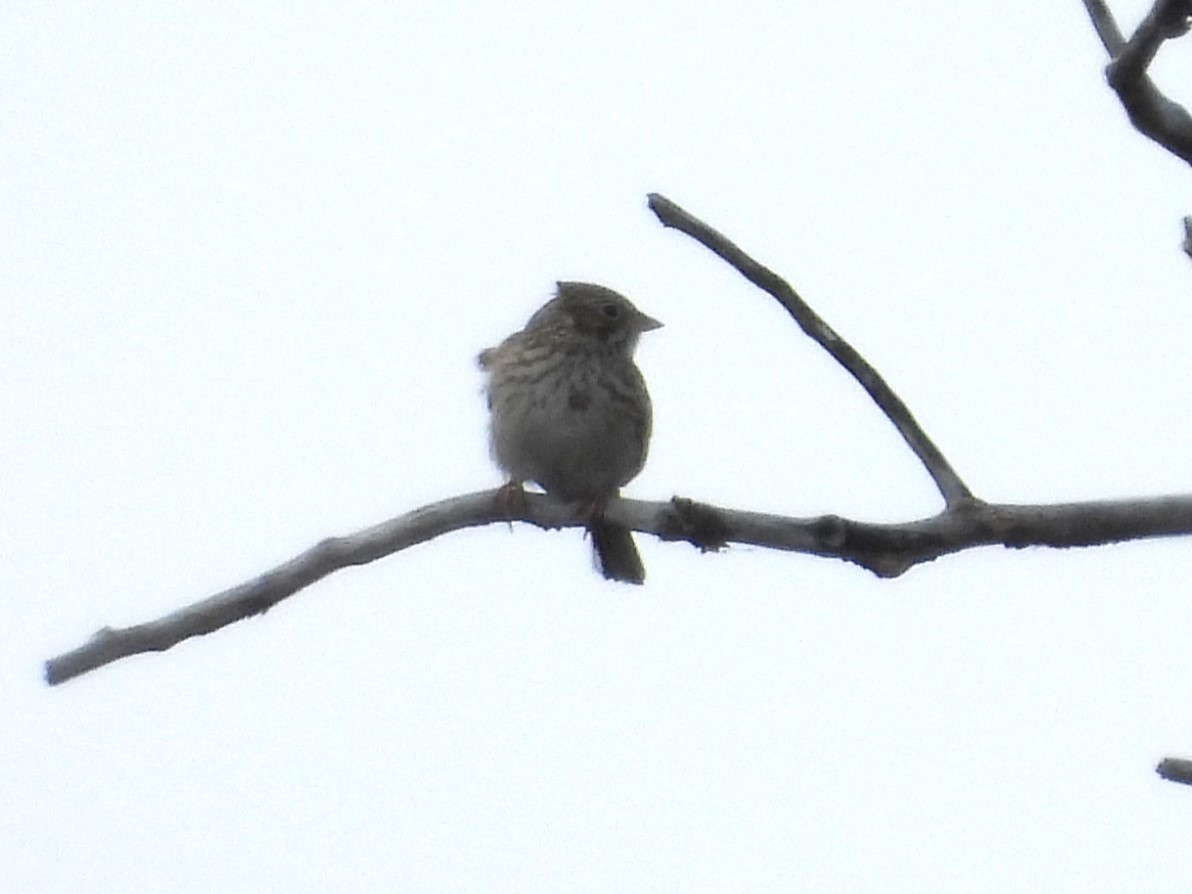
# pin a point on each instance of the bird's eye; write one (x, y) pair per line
(610, 310)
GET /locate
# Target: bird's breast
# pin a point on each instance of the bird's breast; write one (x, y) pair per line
(577, 424)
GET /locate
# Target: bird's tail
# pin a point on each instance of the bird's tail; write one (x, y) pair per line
(616, 554)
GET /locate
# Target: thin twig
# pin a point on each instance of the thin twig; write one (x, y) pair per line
(885, 550)
(1106, 27)
(951, 487)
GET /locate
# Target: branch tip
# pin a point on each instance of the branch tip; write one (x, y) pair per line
(951, 487)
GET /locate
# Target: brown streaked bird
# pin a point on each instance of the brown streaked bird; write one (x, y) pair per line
(570, 411)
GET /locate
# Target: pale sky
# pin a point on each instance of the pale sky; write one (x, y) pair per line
(248, 254)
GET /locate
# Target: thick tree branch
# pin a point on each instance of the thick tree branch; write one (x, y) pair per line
(886, 550)
(1152, 114)
(951, 487)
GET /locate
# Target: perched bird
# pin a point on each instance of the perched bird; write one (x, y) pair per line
(570, 411)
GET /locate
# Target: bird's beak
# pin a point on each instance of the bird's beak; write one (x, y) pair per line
(645, 323)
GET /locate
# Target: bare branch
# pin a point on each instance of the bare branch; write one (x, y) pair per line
(1152, 114)
(951, 487)
(1167, 20)
(1107, 29)
(262, 593)
(1175, 769)
(886, 550)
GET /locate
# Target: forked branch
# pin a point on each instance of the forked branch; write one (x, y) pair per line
(1152, 114)
(885, 550)
(951, 487)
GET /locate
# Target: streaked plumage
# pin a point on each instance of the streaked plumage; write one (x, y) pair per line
(570, 410)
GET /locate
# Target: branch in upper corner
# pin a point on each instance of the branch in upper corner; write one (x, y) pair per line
(1167, 20)
(1152, 114)
(885, 550)
(1106, 27)
(951, 487)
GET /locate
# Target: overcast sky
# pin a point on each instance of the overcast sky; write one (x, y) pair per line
(248, 254)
